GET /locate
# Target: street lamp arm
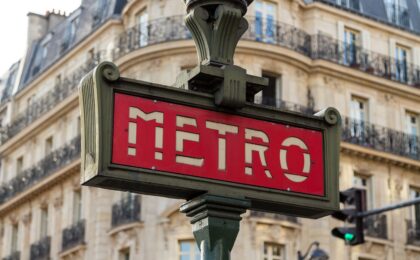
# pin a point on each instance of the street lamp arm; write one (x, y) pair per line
(302, 257)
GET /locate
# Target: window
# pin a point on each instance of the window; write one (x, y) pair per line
(401, 63)
(73, 27)
(353, 4)
(351, 45)
(397, 11)
(188, 250)
(359, 116)
(142, 19)
(77, 206)
(413, 130)
(265, 19)
(19, 165)
(124, 254)
(364, 182)
(274, 251)
(415, 210)
(14, 240)
(271, 95)
(44, 50)
(48, 145)
(43, 223)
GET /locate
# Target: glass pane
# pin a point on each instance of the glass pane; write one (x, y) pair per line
(185, 247)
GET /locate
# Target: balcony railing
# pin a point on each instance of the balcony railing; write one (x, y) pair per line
(152, 32)
(278, 33)
(274, 216)
(413, 233)
(41, 249)
(376, 226)
(126, 211)
(284, 105)
(327, 48)
(13, 256)
(45, 103)
(47, 166)
(73, 236)
(381, 138)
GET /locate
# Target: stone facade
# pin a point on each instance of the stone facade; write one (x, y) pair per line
(316, 53)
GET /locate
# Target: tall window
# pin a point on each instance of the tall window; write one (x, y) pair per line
(124, 254)
(274, 251)
(48, 145)
(188, 250)
(271, 95)
(364, 182)
(265, 20)
(401, 63)
(14, 240)
(359, 116)
(142, 19)
(43, 223)
(73, 27)
(397, 11)
(415, 210)
(413, 130)
(77, 206)
(19, 165)
(351, 43)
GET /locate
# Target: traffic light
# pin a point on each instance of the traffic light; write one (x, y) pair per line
(354, 201)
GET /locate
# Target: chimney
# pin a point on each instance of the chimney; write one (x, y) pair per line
(37, 27)
(55, 18)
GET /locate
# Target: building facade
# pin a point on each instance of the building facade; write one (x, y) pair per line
(362, 57)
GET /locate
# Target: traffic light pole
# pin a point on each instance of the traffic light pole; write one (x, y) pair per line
(388, 208)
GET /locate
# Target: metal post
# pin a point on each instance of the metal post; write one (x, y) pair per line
(215, 223)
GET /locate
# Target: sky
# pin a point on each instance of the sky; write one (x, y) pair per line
(13, 25)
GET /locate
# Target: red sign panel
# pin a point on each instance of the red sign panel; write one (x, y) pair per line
(206, 144)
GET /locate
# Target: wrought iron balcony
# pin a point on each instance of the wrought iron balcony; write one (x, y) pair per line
(285, 105)
(47, 166)
(376, 226)
(152, 32)
(278, 33)
(413, 233)
(258, 214)
(327, 48)
(13, 256)
(41, 249)
(73, 236)
(52, 98)
(380, 138)
(126, 211)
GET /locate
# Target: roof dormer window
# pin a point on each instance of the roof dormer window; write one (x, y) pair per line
(397, 11)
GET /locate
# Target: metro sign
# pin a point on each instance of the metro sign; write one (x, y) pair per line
(174, 138)
(164, 141)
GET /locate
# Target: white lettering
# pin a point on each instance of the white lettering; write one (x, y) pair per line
(261, 149)
(182, 136)
(222, 129)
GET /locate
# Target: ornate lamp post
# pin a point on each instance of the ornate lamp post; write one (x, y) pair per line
(317, 253)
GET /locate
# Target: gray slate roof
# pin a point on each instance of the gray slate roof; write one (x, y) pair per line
(89, 16)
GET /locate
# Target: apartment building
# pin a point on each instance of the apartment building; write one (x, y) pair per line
(362, 57)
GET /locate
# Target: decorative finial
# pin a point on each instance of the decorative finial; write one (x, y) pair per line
(216, 27)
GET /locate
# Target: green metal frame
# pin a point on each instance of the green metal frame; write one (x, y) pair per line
(96, 101)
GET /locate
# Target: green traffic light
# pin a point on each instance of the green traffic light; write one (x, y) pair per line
(349, 237)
